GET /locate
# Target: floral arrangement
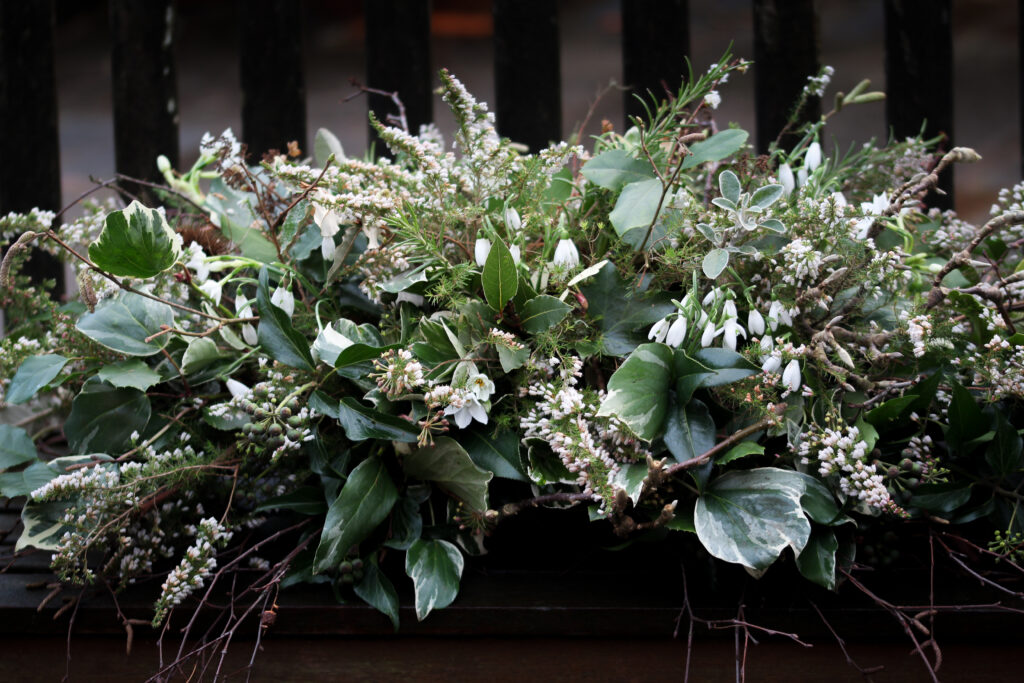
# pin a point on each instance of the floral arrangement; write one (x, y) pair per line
(293, 370)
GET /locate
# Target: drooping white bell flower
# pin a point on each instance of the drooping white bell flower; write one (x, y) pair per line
(327, 221)
(755, 322)
(729, 309)
(791, 375)
(566, 254)
(197, 262)
(283, 299)
(813, 158)
(512, 221)
(516, 256)
(676, 332)
(840, 199)
(772, 363)
(659, 330)
(236, 388)
(480, 250)
(212, 289)
(878, 204)
(243, 309)
(710, 332)
(731, 328)
(713, 297)
(786, 179)
(801, 177)
(778, 313)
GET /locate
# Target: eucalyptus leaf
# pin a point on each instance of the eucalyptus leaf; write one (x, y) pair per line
(136, 242)
(447, 464)
(124, 321)
(499, 277)
(715, 262)
(103, 417)
(722, 144)
(364, 502)
(234, 212)
(34, 373)
(435, 567)
(615, 168)
(637, 206)
(638, 390)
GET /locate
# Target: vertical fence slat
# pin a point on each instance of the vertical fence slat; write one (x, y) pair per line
(786, 52)
(29, 143)
(919, 75)
(655, 45)
(273, 84)
(145, 86)
(527, 71)
(1020, 78)
(398, 59)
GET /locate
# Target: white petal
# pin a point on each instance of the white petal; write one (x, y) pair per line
(249, 334)
(813, 158)
(710, 332)
(786, 179)
(566, 254)
(327, 248)
(283, 299)
(480, 250)
(463, 417)
(676, 332)
(237, 388)
(212, 289)
(512, 219)
(801, 177)
(514, 250)
(658, 330)
(791, 375)
(730, 309)
(477, 411)
(755, 322)
(772, 363)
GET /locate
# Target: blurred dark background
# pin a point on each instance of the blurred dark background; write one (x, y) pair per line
(985, 78)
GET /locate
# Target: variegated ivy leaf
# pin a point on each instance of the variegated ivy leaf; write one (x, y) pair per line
(136, 242)
(638, 391)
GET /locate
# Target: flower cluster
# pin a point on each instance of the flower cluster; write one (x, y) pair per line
(195, 568)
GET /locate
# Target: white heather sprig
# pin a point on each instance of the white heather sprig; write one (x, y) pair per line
(197, 564)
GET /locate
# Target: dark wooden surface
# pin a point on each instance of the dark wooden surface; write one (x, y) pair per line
(527, 72)
(398, 60)
(29, 143)
(145, 87)
(655, 45)
(919, 76)
(786, 49)
(273, 84)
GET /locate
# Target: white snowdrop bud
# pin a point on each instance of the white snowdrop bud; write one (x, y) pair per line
(481, 249)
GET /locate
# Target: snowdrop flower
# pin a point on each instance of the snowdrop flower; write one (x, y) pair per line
(878, 204)
(786, 179)
(710, 332)
(197, 262)
(767, 344)
(729, 309)
(840, 199)
(212, 289)
(772, 363)
(327, 221)
(791, 375)
(244, 310)
(777, 313)
(512, 220)
(659, 330)
(514, 250)
(801, 177)
(566, 254)
(237, 389)
(283, 299)
(813, 158)
(481, 249)
(755, 322)
(731, 328)
(676, 332)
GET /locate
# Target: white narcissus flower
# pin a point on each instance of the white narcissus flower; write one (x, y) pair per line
(710, 332)
(283, 299)
(659, 330)
(237, 389)
(676, 332)
(755, 322)
(731, 328)
(212, 289)
(791, 375)
(786, 179)
(813, 158)
(566, 254)
(480, 250)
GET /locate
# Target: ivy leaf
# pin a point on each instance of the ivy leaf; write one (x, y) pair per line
(710, 367)
(103, 417)
(200, 353)
(722, 144)
(497, 453)
(362, 422)
(276, 335)
(16, 447)
(714, 263)
(622, 312)
(817, 561)
(631, 477)
(435, 568)
(42, 525)
(448, 465)
(24, 482)
(124, 322)
(615, 168)
(637, 206)
(689, 430)
(377, 591)
(363, 503)
(130, 373)
(406, 523)
(499, 278)
(136, 242)
(305, 500)
(542, 313)
(740, 450)
(749, 517)
(34, 374)
(638, 391)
